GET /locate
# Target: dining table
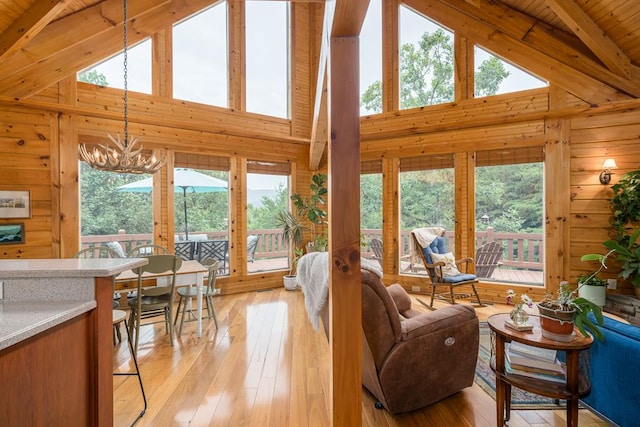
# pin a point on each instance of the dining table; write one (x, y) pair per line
(189, 274)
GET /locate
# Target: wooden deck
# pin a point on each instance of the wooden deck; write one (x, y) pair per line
(499, 274)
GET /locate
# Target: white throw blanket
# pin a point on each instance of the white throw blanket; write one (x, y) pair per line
(313, 278)
(424, 236)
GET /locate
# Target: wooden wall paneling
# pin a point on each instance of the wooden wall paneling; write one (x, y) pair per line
(302, 96)
(557, 195)
(106, 103)
(68, 220)
(390, 55)
(161, 62)
(237, 61)
(345, 304)
(537, 62)
(464, 71)
(501, 109)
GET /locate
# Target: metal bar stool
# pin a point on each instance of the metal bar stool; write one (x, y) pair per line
(118, 317)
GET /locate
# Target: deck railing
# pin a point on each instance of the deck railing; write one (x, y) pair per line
(520, 250)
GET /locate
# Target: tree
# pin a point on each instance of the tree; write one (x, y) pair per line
(93, 77)
(426, 74)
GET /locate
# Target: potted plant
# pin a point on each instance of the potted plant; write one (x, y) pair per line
(559, 314)
(591, 286)
(292, 231)
(312, 210)
(628, 253)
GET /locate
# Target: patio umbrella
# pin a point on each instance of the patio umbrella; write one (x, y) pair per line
(183, 180)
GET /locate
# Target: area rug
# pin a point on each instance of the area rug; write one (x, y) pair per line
(486, 379)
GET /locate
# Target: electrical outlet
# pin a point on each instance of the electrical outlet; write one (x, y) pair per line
(612, 284)
(415, 289)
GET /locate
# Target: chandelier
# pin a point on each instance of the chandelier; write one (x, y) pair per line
(125, 155)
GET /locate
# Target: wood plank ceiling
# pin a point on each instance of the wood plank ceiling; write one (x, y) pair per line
(37, 48)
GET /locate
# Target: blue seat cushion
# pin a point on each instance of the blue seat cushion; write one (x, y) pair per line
(437, 246)
(459, 278)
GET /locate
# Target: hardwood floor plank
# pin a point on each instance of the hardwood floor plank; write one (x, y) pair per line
(267, 366)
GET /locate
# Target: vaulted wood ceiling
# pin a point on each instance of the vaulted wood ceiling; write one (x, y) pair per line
(43, 41)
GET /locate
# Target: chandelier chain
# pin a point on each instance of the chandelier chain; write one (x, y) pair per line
(126, 89)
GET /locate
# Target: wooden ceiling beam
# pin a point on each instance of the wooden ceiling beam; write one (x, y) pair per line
(553, 43)
(592, 35)
(348, 17)
(28, 25)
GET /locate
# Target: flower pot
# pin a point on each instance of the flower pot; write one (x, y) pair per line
(556, 324)
(595, 294)
(290, 282)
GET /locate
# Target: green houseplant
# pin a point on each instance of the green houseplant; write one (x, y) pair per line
(628, 253)
(625, 202)
(312, 209)
(560, 312)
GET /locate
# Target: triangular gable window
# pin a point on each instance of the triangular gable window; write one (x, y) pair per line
(494, 76)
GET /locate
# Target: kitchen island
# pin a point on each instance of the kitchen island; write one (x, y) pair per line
(56, 340)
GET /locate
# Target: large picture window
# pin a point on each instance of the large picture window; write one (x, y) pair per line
(510, 210)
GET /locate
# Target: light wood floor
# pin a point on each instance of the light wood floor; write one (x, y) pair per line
(267, 366)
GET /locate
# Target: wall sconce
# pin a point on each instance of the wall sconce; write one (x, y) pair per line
(605, 175)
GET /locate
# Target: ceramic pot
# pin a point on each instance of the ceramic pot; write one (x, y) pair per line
(556, 324)
(290, 282)
(595, 294)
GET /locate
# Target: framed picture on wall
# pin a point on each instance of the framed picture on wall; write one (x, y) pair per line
(15, 204)
(12, 234)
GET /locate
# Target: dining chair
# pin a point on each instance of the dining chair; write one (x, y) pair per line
(187, 293)
(154, 301)
(149, 249)
(118, 317)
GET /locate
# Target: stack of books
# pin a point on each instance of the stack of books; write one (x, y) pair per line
(533, 362)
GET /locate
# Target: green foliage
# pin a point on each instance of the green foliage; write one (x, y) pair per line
(426, 74)
(93, 77)
(262, 217)
(628, 253)
(625, 202)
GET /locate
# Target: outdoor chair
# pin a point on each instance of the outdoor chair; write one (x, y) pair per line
(443, 270)
(252, 245)
(488, 257)
(189, 293)
(155, 300)
(97, 252)
(149, 249)
(185, 249)
(376, 246)
(214, 249)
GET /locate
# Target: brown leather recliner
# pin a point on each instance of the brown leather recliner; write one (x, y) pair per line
(412, 361)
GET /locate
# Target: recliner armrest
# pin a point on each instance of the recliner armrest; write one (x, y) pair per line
(451, 316)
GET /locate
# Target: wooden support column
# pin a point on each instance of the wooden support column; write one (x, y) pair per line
(391, 215)
(237, 60)
(464, 74)
(68, 182)
(161, 63)
(557, 196)
(344, 233)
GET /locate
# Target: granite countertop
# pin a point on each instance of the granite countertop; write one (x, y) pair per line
(67, 267)
(20, 320)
